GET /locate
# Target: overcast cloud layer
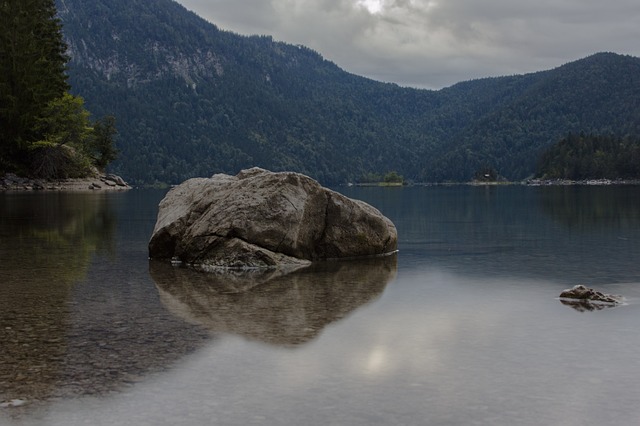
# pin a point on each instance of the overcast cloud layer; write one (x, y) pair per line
(436, 43)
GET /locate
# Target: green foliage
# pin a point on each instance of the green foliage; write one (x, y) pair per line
(393, 177)
(101, 147)
(44, 130)
(579, 157)
(193, 100)
(370, 178)
(32, 65)
(65, 121)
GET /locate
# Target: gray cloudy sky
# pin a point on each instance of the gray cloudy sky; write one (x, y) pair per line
(436, 43)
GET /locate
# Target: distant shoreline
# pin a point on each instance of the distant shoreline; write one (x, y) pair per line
(549, 182)
(528, 182)
(587, 182)
(13, 183)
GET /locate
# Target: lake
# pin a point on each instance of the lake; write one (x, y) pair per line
(462, 327)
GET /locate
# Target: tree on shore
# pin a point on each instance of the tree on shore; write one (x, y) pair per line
(44, 130)
(393, 177)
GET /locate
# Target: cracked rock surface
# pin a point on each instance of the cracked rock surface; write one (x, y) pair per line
(262, 219)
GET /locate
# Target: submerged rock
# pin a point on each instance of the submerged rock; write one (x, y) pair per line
(262, 219)
(584, 298)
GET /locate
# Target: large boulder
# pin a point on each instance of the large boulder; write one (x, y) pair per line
(260, 219)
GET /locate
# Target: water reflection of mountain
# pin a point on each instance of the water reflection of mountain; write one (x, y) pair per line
(589, 206)
(590, 234)
(277, 308)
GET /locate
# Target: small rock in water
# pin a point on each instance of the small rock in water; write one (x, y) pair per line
(587, 299)
(582, 292)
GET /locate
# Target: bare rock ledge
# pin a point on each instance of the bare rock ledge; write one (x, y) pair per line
(262, 219)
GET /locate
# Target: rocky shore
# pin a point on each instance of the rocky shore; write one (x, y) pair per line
(108, 182)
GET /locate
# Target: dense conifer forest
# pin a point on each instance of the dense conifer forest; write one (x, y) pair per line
(45, 131)
(580, 157)
(192, 100)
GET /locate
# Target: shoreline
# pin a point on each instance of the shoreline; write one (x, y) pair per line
(108, 182)
(530, 182)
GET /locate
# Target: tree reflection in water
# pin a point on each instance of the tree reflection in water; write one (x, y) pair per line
(46, 247)
(77, 315)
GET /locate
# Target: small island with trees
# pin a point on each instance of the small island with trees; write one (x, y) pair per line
(46, 133)
(391, 178)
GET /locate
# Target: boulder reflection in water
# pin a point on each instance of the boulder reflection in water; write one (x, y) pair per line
(270, 306)
(586, 305)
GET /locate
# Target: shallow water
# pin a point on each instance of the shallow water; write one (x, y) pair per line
(464, 326)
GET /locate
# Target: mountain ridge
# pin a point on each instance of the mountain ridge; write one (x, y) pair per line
(192, 100)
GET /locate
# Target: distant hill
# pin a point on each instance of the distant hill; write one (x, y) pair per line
(193, 100)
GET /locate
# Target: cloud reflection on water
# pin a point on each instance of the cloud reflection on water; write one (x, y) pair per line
(440, 348)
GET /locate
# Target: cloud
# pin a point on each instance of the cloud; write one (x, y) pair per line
(435, 43)
(241, 16)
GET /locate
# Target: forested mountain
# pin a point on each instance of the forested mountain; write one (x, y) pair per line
(579, 157)
(191, 100)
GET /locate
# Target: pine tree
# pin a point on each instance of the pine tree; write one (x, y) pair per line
(44, 130)
(32, 73)
(102, 151)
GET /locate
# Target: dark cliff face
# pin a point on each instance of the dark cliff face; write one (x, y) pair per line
(134, 43)
(191, 100)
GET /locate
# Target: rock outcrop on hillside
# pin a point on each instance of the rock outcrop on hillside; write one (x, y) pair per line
(262, 219)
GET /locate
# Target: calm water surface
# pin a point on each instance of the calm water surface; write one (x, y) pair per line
(463, 327)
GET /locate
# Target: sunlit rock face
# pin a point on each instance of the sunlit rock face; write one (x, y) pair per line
(261, 219)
